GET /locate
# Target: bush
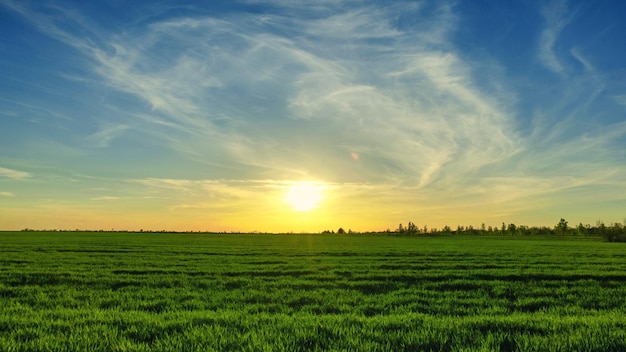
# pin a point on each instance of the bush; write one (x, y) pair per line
(615, 237)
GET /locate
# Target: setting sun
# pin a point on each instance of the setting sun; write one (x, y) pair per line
(304, 196)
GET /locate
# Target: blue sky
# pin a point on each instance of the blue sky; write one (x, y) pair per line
(186, 116)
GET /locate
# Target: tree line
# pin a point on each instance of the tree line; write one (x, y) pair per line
(614, 232)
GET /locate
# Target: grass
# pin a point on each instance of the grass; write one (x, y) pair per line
(160, 292)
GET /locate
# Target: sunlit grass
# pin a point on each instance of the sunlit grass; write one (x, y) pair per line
(117, 291)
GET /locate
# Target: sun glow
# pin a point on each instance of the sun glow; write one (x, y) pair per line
(304, 196)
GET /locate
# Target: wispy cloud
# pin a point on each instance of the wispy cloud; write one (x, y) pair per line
(620, 99)
(314, 97)
(14, 174)
(373, 80)
(578, 55)
(555, 14)
(106, 134)
(7, 194)
(106, 198)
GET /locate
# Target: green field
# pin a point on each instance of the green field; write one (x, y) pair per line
(159, 292)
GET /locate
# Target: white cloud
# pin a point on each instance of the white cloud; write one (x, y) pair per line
(225, 83)
(555, 16)
(319, 78)
(578, 55)
(14, 174)
(353, 25)
(106, 134)
(106, 198)
(620, 99)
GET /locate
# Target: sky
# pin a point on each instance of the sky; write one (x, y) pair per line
(207, 115)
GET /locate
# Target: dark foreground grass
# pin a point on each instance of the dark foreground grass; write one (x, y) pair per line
(158, 292)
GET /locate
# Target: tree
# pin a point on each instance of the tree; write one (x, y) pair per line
(512, 229)
(561, 227)
(341, 231)
(411, 228)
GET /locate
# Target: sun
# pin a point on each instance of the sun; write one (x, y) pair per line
(304, 196)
